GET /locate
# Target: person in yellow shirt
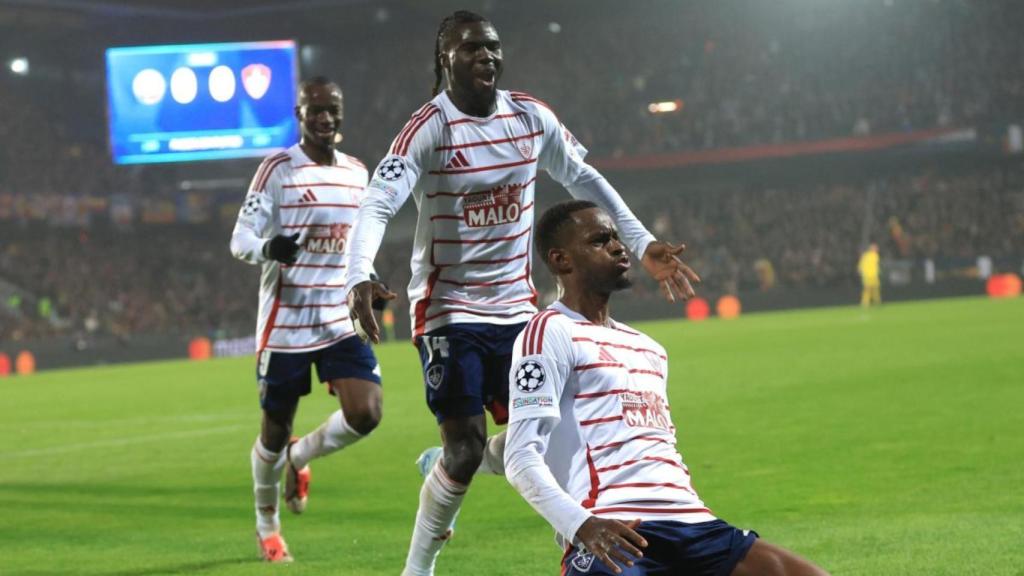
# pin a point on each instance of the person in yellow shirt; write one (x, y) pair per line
(869, 277)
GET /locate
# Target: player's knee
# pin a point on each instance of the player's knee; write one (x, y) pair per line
(276, 431)
(365, 417)
(462, 459)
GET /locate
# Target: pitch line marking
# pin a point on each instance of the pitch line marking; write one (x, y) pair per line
(122, 442)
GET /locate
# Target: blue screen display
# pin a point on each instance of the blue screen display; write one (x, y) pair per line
(201, 101)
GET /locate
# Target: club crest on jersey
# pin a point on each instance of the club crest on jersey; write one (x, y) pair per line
(525, 147)
(500, 205)
(645, 409)
(435, 374)
(529, 376)
(333, 244)
(391, 169)
(582, 561)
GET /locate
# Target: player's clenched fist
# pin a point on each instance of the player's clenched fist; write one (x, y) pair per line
(284, 249)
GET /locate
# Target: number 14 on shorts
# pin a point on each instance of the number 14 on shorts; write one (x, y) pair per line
(435, 344)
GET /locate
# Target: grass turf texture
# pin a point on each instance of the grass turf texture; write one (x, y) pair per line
(886, 442)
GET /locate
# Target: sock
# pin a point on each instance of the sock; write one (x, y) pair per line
(440, 499)
(331, 436)
(494, 456)
(266, 477)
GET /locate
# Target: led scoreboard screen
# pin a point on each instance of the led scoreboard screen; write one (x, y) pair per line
(201, 101)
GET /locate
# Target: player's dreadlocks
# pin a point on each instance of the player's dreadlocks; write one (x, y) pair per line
(450, 22)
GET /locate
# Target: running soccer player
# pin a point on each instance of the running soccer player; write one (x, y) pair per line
(295, 222)
(591, 445)
(470, 158)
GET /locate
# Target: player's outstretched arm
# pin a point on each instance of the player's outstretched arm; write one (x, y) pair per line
(611, 541)
(676, 279)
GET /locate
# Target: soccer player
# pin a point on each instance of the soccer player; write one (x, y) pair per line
(869, 277)
(294, 222)
(590, 443)
(470, 158)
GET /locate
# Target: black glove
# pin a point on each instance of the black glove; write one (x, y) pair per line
(282, 248)
(378, 303)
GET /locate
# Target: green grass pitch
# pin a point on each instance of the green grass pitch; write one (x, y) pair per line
(889, 442)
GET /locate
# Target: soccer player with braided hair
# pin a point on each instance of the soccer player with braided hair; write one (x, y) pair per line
(470, 158)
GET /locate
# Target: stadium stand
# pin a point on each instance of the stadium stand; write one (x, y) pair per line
(87, 247)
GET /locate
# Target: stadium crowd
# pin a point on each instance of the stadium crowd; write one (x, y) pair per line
(177, 277)
(745, 76)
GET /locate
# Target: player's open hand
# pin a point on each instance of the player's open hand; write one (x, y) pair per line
(676, 279)
(611, 541)
(360, 299)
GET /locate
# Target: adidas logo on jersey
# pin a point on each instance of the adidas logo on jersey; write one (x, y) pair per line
(308, 197)
(457, 161)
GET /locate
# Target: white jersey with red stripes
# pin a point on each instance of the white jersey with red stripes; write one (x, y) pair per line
(473, 179)
(302, 306)
(602, 389)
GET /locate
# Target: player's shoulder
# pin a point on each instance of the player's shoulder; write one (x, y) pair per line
(423, 121)
(350, 161)
(546, 326)
(529, 100)
(529, 103)
(627, 331)
(268, 167)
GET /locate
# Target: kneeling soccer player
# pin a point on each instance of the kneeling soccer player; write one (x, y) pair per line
(590, 443)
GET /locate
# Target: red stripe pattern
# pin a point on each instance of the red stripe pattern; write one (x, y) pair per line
(620, 413)
(534, 330)
(476, 197)
(266, 169)
(301, 347)
(321, 184)
(620, 346)
(302, 309)
(524, 97)
(481, 240)
(488, 142)
(317, 205)
(401, 143)
(485, 120)
(485, 168)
